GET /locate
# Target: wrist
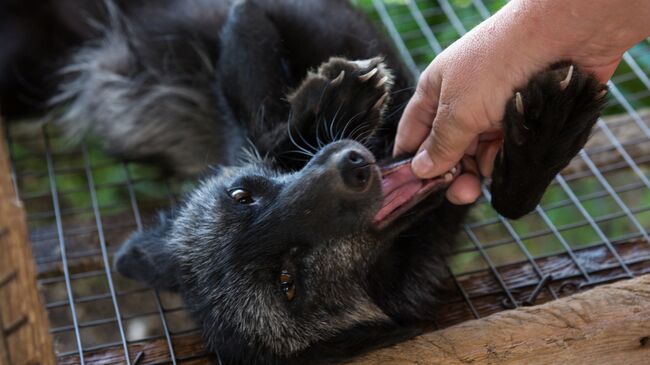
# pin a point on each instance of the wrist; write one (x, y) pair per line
(592, 33)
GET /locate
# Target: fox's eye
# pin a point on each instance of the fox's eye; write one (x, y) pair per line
(286, 283)
(241, 196)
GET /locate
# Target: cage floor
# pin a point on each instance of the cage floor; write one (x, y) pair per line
(591, 227)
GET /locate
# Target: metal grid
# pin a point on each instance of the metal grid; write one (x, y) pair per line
(80, 205)
(590, 228)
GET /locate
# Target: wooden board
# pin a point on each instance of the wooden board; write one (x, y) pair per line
(188, 349)
(606, 325)
(24, 326)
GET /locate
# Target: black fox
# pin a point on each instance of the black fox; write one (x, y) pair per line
(305, 240)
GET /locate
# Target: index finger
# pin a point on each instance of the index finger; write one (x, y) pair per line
(417, 119)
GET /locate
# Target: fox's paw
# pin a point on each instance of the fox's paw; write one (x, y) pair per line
(348, 96)
(545, 126)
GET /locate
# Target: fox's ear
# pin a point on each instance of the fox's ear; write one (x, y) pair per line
(146, 256)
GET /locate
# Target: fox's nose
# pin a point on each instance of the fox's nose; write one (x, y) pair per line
(355, 168)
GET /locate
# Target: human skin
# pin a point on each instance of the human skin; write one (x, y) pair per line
(457, 108)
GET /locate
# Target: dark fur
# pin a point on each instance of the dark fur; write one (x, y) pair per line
(192, 83)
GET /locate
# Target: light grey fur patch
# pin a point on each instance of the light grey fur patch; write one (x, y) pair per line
(142, 111)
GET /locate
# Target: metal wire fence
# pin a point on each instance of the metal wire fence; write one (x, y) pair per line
(590, 228)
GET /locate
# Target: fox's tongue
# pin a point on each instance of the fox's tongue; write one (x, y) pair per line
(402, 190)
(399, 186)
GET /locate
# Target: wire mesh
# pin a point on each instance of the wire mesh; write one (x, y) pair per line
(591, 212)
(590, 228)
(80, 205)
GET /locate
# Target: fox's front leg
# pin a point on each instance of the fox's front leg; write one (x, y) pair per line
(254, 74)
(545, 126)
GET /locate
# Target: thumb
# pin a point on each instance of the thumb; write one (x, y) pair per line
(444, 147)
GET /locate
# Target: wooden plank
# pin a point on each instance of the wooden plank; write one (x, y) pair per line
(4, 354)
(188, 348)
(23, 320)
(606, 325)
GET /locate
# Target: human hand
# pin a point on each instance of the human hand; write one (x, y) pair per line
(460, 98)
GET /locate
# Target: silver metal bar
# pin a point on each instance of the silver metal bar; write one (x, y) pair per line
(61, 237)
(102, 244)
(394, 34)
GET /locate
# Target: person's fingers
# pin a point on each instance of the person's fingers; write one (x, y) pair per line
(465, 189)
(418, 115)
(473, 147)
(449, 139)
(605, 72)
(487, 152)
(491, 135)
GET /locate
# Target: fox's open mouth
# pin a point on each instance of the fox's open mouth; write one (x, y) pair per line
(403, 190)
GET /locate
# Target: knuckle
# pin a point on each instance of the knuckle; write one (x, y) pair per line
(441, 146)
(450, 131)
(467, 121)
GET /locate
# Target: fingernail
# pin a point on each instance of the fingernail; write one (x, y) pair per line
(422, 164)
